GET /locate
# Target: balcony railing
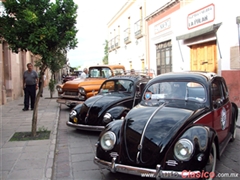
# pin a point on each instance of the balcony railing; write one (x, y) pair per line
(117, 41)
(138, 29)
(111, 46)
(127, 36)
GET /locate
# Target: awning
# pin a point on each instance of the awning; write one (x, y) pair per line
(238, 20)
(209, 29)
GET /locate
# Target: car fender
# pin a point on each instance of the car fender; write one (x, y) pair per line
(118, 112)
(202, 138)
(77, 108)
(234, 113)
(115, 127)
(213, 137)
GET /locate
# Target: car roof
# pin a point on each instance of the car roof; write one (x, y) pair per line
(109, 66)
(199, 76)
(129, 77)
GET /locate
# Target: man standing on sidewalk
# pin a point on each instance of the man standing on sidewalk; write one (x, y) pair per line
(30, 85)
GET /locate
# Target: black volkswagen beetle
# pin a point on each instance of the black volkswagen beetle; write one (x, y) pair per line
(177, 131)
(116, 97)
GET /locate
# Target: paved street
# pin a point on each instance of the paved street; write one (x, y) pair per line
(33, 159)
(75, 152)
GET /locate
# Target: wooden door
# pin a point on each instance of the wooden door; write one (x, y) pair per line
(204, 57)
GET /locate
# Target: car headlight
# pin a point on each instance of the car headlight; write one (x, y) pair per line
(82, 91)
(73, 113)
(108, 140)
(59, 89)
(107, 118)
(183, 149)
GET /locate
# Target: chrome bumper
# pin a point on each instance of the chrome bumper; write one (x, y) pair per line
(85, 127)
(69, 102)
(143, 172)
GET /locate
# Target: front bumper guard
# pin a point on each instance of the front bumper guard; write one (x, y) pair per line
(143, 172)
(85, 127)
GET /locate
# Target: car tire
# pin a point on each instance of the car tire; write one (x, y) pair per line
(212, 161)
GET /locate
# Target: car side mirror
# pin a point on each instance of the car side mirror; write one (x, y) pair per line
(218, 103)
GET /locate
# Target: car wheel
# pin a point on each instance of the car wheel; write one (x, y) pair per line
(211, 164)
(233, 131)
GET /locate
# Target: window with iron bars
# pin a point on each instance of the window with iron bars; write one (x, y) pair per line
(164, 57)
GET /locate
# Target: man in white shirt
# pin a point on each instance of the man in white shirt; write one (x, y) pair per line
(84, 73)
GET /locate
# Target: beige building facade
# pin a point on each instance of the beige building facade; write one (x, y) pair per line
(126, 34)
(12, 66)
(180, 35)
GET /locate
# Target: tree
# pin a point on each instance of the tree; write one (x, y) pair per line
(105, 59)
(46, 29)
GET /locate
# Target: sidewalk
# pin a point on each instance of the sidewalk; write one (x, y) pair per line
(28, 160)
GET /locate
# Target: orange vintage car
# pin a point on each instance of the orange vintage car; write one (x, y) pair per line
(78, 90)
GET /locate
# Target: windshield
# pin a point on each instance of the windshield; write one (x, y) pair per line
(102, 72)
(117, 86)
(188, 91)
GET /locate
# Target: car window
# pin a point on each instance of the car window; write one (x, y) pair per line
(217, 92)
(118, 72)
(119, 86)
(225, 89)
(190, 91)
(107, 73)
(100, 72)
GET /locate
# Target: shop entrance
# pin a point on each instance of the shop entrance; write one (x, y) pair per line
(204, 57)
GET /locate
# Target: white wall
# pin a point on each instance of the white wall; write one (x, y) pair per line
(225, 13)
(134, 51)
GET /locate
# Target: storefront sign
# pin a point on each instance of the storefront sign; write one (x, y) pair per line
(162, 26)
(201, 16)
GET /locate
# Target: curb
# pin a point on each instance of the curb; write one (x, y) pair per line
(51, 156)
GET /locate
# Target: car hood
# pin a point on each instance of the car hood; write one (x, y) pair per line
(94, 108)
(74, 84)
(148, 130)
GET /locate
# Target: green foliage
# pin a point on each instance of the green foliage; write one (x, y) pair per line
(105, 59)
(42, 27)
(51, 85)
(26, 136)
(46, 29)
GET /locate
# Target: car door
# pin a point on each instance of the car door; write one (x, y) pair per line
(221, 108)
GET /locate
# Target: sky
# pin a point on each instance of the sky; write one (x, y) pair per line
(93, 16)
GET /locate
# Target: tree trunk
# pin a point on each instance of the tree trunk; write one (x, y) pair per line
(35, 115)
(35, 110)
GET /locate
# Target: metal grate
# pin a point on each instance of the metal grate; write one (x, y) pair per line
(71, 93)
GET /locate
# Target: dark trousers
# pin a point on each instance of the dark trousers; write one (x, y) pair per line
(29, 93)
